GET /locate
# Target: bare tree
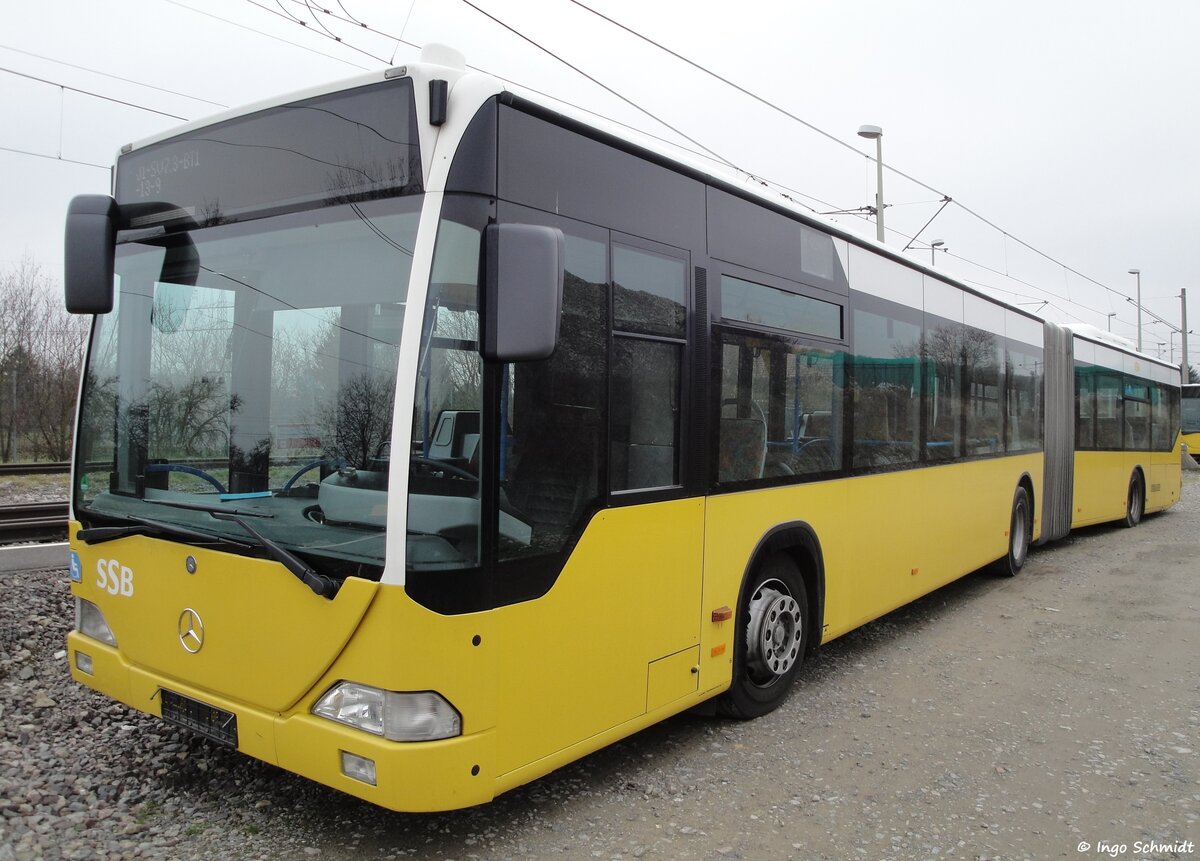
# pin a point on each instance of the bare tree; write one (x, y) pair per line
(355, 428)
(50, 392)
(41, 353)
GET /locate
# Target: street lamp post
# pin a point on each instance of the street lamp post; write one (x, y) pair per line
(1110, 316)
(1138, 274)
(1184, 370)
(933, 247)
(875, 133)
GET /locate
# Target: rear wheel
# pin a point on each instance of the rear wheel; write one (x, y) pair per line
(1135, 506)
(1020, 533)
(770, 639)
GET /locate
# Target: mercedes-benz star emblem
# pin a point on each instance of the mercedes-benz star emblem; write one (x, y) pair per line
(191, 631)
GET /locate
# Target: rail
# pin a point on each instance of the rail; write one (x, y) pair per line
(37, 521)
(54, 468)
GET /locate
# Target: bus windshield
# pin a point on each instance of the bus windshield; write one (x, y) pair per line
(266, 386)
(1191, 409)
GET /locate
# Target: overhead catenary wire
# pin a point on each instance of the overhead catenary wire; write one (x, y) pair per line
(602, 85)
(703, 152)
(944, 200)
(288, 17)
(104, 167)
(92, 71)
(92, 94)
(348, 18)
(842, 143)
(264, 34)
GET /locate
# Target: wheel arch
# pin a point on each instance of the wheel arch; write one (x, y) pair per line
(1026, 481)
(1137, 480)
(798, 540)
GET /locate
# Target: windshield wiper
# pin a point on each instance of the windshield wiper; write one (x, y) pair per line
(324, 586)
(200, 506)
(101, 534)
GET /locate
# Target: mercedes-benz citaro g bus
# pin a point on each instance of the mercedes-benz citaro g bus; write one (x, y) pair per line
(432, 436)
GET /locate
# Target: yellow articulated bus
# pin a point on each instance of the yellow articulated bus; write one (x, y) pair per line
(659, 435)
(1191, 418)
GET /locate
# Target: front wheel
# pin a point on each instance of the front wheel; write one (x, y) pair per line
(770, 639)
(1135, 506)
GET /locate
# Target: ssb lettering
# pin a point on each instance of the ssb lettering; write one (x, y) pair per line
(114, 578)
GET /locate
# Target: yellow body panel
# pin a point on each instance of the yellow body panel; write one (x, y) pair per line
(577, 661)
(1101, 490)
(268, 637)
(886, 539)
(625, 637)
(1192, 441)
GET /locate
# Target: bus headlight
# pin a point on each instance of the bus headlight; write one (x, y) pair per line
(423, 716)
(90, 621)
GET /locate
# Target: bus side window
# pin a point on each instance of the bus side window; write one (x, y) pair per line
(555, 412)
(649, 290)
(1085, 433)
(1110, 417)
(886, 390)
(780, 409)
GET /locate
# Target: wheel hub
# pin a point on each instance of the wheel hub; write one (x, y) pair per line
(775, 633)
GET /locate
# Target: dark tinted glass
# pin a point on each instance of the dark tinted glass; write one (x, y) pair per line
(335, 148)
(983, 355)
(1023, 425)
(557, 170)
(554, 414)
(649, 292)
(1085, 408)
(747, 302)
(943, 396)
(781, 409)
(1137, 415)
(887, 377)
(645, 405)
(1191, 409)
(750, 235)
(1110, 413)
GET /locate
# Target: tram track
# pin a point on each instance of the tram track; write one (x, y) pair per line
(52, 468)
(35, 521)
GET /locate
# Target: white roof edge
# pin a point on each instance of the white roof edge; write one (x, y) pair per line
(254, 107)
(426, 69)
(432, 65)
(1108, 339)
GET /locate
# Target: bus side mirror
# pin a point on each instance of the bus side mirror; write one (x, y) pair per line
(91, 238)
(523, 284)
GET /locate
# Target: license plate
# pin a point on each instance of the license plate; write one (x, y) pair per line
(209, 721)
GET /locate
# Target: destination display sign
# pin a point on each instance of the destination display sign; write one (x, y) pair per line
(352, 145)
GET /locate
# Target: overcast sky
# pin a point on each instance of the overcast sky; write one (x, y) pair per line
(1071, 126)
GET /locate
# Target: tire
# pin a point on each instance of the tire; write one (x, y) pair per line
(770, 639)
(1020, 534)
(1135, 505)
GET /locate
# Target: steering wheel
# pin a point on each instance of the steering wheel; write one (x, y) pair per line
(189, 470)
(432, 465)
(308, 467)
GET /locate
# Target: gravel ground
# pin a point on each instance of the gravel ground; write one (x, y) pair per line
(26, 489)
(994, 719)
